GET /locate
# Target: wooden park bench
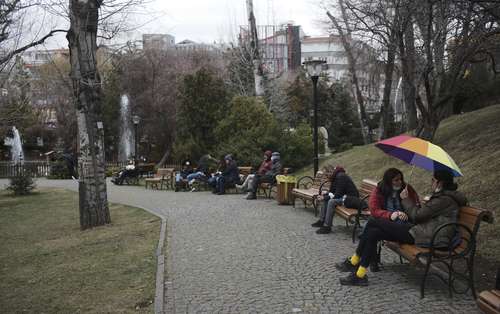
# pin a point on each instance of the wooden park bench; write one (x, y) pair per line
(164, 177)
(270, 189)
(355, 215)
(244, 171)
(460, 248)
(308, 189)
(146, 170)
(489, 301)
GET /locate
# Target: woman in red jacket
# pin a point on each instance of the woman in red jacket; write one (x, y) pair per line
(385, 202)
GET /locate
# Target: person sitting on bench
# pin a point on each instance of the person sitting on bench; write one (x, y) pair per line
(265, 166)
(202, 172)
(181, 177)
(442, 208)
(342, 192)
(129, 171)
(268, 177)
(230, 176)
(385, 200)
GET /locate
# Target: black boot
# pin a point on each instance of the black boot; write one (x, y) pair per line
(324, 230)
(317, 224)
(345, 266)
(353, 280)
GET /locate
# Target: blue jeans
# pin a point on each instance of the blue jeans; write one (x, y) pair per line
(196, 175)
(328, 209)
(212, 181)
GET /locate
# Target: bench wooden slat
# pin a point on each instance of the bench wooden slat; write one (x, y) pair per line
(490, 298)
(347, 213)
(408, 251)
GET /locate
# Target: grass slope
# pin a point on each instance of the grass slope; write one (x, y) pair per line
(473, 140)
(49, 266)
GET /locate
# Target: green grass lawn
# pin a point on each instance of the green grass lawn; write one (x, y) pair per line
(473, 140)
(49, 266)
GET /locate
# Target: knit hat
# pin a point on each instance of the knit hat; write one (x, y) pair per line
(228, 157)
(275, 156)
(338, 169)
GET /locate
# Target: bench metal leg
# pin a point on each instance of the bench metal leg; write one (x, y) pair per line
(470, 268)
(424, 278)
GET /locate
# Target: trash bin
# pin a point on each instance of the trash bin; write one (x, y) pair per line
(285, 186)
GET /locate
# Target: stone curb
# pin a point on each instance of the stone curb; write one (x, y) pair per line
(160, 263)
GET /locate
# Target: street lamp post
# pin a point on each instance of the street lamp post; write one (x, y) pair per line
(136, 119)
(314, 68)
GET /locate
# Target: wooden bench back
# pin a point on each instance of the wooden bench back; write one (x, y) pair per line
(472, 217)
(164, 172)
(320, 178)
(245, 170)
(367, 187)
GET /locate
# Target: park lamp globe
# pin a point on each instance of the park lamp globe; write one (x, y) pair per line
(136, 119)
(314, 67)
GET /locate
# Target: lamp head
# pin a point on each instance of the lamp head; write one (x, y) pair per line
(314, 67)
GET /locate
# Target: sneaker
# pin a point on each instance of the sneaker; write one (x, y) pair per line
(317, 224)
(324, 230)
(193, 190)
(251, 196)
(353, 280)
(345, 266)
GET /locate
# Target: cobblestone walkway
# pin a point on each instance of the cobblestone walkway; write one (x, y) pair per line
(229, 255)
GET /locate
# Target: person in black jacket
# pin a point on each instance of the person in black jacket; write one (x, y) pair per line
(268, 177)
(181, 177)
(229, 176)
(342, 192)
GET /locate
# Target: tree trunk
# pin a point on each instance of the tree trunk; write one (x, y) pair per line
(408, 68)
(258, 72)
(386, 117)
(82, 36)
(345, 39)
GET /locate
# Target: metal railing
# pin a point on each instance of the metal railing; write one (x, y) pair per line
(42, 168)
(37, 168)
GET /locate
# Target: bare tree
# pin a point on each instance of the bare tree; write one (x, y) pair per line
(82, 35)
(450, 35)
(256, 58)
(12, 14)
(346, 38)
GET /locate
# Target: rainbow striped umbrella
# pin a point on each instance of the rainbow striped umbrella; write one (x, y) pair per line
(420, 153)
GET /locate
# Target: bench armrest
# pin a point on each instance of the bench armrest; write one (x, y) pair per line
(306, 181)
(466, 238)
(321, 187)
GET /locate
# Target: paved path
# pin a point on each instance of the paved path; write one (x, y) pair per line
(229, 255)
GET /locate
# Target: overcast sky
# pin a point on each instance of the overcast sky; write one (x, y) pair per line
(209, 20)
(216, 20)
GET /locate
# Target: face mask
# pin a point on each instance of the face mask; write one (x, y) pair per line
(396, 187)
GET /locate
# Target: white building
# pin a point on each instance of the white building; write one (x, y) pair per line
(157, 41)
(370, 71)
